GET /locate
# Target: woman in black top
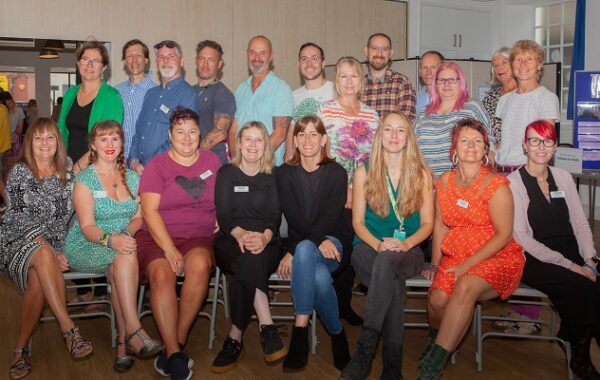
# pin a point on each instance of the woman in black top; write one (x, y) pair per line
(312, 189)
(248, 244)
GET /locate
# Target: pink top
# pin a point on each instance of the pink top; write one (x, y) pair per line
(523, 233)
(187, 202)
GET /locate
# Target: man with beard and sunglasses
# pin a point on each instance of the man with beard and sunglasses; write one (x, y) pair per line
(152, 127)
(263, 97)
(386, 90)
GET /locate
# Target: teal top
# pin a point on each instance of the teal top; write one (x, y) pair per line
(110, 215)
(384, 227)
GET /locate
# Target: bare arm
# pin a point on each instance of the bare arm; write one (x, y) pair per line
(231, 137)
(359, 207)
(221, 124)
(289, 144)
(280, 129)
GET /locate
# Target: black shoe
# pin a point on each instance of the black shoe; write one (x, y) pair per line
(581, 363)
(360, 365)
(392, 361)
(434, 363)
(161, 364)
(180, 366)
(351, 317)
(339, 349)
(360, 290)
(272, 345)
(297, 356)
(228, 356)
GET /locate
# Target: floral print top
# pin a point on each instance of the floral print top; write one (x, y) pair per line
(350, 136)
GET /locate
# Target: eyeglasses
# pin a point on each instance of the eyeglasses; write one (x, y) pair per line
(535, 141)
(447, 80)
(314, 59)
(85, 61)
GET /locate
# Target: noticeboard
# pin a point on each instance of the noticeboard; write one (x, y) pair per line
(586, 121)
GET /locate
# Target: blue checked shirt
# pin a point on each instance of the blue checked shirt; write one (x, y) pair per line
(152, 128)
(133, 97)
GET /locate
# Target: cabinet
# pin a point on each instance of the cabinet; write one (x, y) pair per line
(455, 32)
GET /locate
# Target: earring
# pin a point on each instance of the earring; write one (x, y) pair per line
(455, 159)
(487, 160)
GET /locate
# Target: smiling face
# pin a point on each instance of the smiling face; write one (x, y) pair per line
(311, 63)
(540, 154)
(259, 55)
(470, 146)
(502, 69)
(185, 137)
(348, 80)
(252, 145)
(108, 146)
(135, 61)
(394, 133)
(427, 67)
(309, 141)
(526, 66)
(168, 62)
(90, 65)
(445, 89)
(208, 63)
(379, 52)
(44, 145)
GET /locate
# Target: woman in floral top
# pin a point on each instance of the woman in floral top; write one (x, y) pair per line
(350, 124)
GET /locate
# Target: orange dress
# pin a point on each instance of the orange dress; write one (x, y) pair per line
(466, 213)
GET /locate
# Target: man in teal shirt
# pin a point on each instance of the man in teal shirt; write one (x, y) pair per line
(263, 97)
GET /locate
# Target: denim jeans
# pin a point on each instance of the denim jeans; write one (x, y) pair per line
(385, 274)
(312, 284)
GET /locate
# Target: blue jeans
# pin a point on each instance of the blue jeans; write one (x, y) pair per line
(312, 285)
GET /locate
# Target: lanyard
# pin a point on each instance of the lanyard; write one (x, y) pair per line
(394, 201)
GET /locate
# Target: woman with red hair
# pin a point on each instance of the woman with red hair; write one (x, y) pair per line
(474, 255)
(559, 250)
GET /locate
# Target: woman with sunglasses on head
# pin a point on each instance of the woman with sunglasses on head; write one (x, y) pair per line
(449, 104)
(559, 249)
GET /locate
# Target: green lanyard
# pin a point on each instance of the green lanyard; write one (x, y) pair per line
(394, 200)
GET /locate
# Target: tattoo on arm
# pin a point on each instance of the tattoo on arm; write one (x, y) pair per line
(221, 124)
(280, 129)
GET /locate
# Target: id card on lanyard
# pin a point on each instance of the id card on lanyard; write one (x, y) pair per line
(399, 233)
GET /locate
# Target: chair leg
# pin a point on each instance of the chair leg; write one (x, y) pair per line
(479, 350)
(213, 313)
(225, 293)
(313, 333)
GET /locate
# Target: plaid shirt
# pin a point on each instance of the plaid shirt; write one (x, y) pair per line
(394, 93)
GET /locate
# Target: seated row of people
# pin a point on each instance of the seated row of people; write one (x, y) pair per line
(184, 191)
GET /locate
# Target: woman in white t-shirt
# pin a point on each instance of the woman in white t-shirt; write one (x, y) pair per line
(530, 101)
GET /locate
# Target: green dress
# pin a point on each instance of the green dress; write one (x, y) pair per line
(110, 215)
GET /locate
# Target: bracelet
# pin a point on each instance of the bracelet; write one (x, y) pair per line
(109, 241)
(433, 267)
(127, 232)
(79, 165)
(592, 268)
(103, 239)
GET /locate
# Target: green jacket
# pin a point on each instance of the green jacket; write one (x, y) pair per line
(108, 105)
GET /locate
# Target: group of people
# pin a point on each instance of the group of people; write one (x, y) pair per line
(168, 181)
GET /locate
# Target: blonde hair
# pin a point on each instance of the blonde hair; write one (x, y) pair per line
(59, 161)
(529, 46)
(266, 161)
(356, 65)
(414, 177)
(108, 127)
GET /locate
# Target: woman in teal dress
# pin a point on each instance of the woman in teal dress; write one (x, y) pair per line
(101, 238)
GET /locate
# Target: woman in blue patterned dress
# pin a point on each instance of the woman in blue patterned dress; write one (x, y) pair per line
(101, 239)
(32, 235)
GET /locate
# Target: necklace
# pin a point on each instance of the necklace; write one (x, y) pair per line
(468, 180)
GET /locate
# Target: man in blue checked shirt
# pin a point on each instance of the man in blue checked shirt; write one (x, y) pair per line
(152, 127)
(136, 63)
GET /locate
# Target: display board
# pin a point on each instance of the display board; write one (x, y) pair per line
(586, 122)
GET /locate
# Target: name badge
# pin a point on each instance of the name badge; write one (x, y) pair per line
(400, 235)
(241, 189)
(99, 194)
(462, 203)
(557, 194)
(164, 108)
(206, 174)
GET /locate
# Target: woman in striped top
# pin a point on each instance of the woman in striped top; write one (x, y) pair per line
(449, 104)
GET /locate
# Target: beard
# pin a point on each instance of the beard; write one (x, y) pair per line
(167, 72)
(258, 69)
(378, 66)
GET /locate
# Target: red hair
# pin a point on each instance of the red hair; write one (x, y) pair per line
(543, 128)
(474, 125)
(463, 92)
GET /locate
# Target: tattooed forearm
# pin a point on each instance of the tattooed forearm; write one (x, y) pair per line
(221, 124)
(280, 129)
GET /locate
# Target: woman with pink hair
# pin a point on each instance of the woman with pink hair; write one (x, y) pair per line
(449, 104)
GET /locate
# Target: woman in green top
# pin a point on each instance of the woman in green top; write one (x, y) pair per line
(88, 103)
(392, 212)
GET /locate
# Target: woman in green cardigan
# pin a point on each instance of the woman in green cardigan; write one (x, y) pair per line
(87, 103)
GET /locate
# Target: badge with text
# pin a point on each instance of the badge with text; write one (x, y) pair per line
(99, 194)
(462, 203)
(400, 235)
(206, 174)
(241, 189)
(557, 194)
(164, 108)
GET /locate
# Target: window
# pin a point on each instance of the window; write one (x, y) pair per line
(60, 82)
(555, 30)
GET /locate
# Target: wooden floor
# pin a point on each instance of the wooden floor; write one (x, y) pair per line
(503, 358)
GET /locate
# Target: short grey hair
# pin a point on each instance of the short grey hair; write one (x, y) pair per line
(503, 51)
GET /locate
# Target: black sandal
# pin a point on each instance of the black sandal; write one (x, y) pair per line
(80, 348)
(22, 367)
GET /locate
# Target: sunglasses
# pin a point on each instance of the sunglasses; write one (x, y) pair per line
(168, 43)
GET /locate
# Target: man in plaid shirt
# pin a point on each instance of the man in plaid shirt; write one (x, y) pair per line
(386, 90)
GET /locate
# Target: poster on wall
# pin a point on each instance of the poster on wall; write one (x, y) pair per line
(587, 117)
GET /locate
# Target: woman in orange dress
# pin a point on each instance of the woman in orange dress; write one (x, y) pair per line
(474, 255)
